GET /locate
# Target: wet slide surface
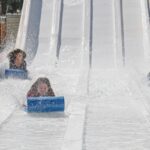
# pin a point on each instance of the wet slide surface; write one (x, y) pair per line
(41, 131)
(116, 117)
(116, 114)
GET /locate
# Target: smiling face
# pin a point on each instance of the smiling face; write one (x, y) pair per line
(19, 59)
(42, 89)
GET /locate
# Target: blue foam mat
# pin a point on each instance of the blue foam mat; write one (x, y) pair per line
(45, 104)
(16, 73)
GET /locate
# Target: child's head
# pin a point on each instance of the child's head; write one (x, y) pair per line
(43, 86)
(17, 56)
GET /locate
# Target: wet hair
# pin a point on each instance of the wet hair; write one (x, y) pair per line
(43, 80)
(40, 80)
(12, 55)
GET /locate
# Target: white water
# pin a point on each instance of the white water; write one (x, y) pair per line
(117, 115)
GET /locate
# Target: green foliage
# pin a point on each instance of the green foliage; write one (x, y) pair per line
(11, 6)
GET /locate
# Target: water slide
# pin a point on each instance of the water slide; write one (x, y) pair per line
(40, 35)
(118, 104)
(81, 44)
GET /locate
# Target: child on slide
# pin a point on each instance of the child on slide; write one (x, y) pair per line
(41, 87)
(17, 59)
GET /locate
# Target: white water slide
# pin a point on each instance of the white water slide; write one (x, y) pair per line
(85, 48)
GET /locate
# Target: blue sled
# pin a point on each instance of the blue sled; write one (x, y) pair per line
(45, 104)
(16, 73)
